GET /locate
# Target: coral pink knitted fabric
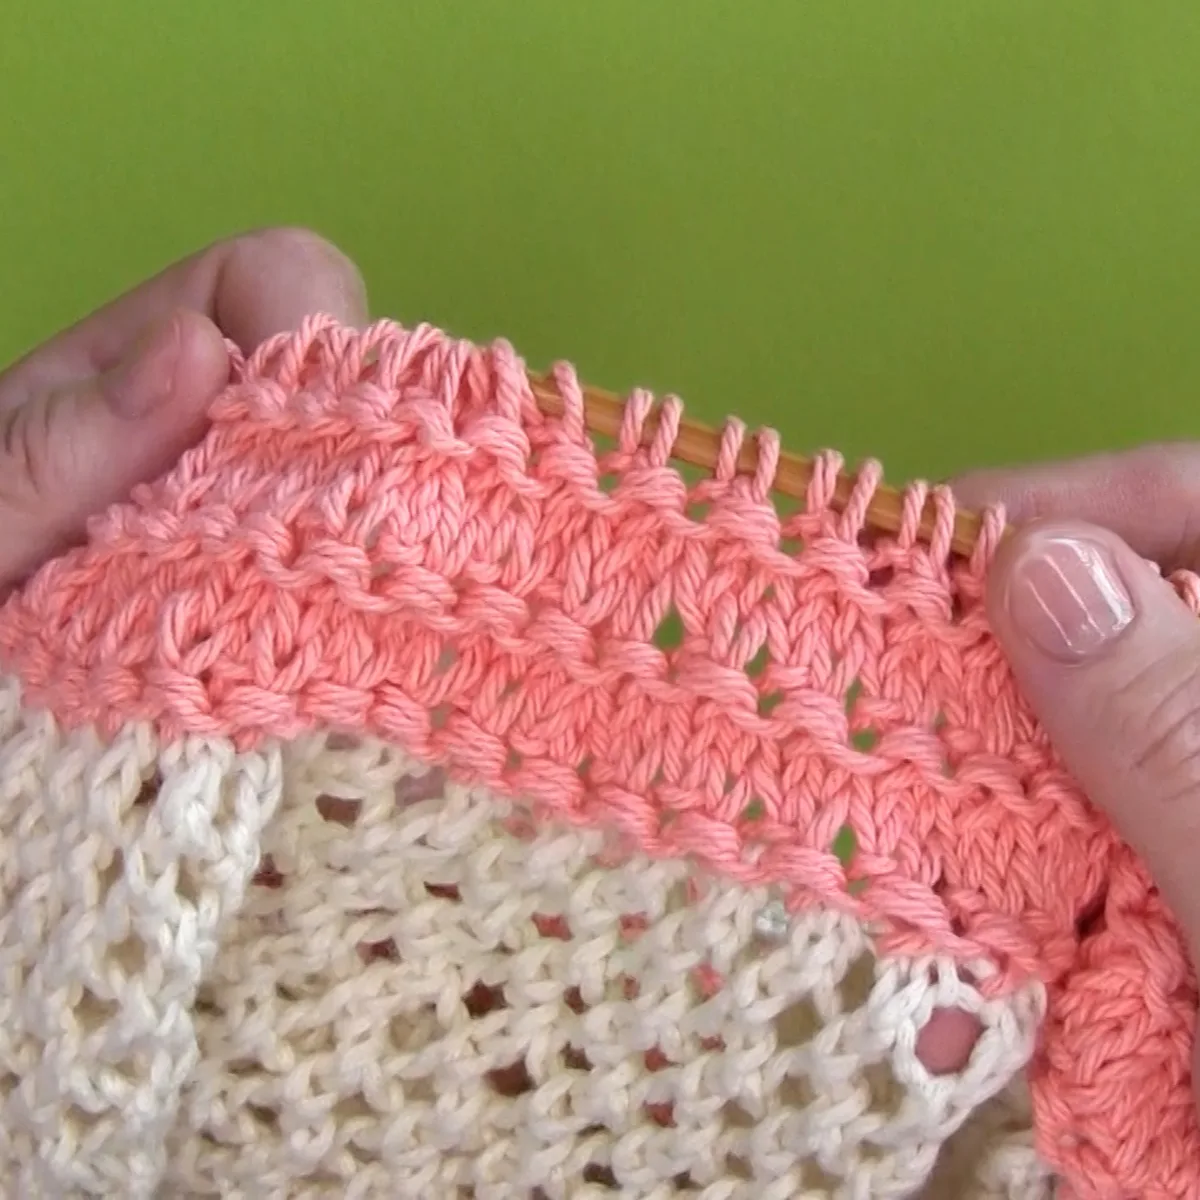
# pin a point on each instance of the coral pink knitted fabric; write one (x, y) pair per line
(383, 535)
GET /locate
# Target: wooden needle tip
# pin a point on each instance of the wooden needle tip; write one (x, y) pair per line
(699, 446)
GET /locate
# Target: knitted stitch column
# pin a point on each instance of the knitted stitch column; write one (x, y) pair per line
(401, 800)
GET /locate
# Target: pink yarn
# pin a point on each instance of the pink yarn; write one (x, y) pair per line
(383, 533)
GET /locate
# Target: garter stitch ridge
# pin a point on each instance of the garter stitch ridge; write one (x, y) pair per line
(404, 797)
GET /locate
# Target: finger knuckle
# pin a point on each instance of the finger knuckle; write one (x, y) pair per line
(1158, 718)
(26, 479)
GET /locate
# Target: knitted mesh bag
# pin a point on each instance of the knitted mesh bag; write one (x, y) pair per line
(404, 798)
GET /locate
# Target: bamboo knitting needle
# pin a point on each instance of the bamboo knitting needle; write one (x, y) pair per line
(698, 446)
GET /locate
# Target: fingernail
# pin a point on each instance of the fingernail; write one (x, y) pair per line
(145, 376)
(1067, 598)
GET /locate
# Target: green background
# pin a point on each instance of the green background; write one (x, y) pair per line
(944, 232)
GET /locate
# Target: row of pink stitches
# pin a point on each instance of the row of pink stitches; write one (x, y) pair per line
(382, 532)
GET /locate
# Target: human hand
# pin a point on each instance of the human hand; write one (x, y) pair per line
(1105, 652)
(113, 401)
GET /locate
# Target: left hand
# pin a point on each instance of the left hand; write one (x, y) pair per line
(113, 401)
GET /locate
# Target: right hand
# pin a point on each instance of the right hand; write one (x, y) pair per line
(1105, 652)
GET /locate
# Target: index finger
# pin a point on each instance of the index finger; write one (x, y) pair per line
(251, 287)
(1149, 497)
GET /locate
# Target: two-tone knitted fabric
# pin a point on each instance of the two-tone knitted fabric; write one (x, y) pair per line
(404, 798)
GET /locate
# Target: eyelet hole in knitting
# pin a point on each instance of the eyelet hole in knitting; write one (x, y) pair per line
(601, 1176)
(1091, 919)
(863, 737)
(942, 890)
(960, 1150)
(669, 634)
(511, 1081)
(655, 1060)
(263, 1115)
(944, 1046)
(130, 955)
(148, 792)
(885, 1094)
(300, 987)
(705, 979)
(416, 789)
(188, 885)
(381, 951)
(758, 664)
(338, 810)
(754, 811)
(552, 926)
(267, 875)
(797, 1024)
(92, 1012)
(736, 1117)
(662, 1113)
(858, 981)
(864, 740)
(938, 726)
(796, 1092)
(409, 1033)
(206, 1002)
(738, 1167)
(845, 845)
(815, 1181)
(632, 926)
(484, 998)
(575, 1059)
(243, 1068)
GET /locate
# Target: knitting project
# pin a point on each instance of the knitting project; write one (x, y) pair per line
(406, 797)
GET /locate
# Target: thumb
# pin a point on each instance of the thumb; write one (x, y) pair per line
(1108, 656)
(67, 454)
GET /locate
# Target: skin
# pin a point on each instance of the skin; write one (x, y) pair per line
(1126, 717)
(115, 399)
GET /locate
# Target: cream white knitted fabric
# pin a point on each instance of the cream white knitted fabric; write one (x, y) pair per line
(317, 969)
